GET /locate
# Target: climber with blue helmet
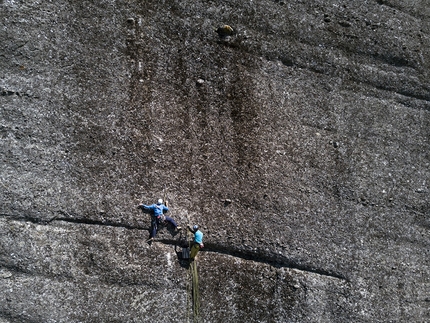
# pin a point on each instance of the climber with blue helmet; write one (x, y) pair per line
(197, 241)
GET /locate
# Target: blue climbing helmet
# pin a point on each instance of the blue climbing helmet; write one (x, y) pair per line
(195, 227)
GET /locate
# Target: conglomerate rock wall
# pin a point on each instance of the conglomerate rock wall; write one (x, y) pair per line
(299, 142)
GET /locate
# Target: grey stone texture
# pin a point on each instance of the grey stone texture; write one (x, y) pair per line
(299, 142)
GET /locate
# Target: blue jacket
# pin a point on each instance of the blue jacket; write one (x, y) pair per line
(157, 209)
(198, 237)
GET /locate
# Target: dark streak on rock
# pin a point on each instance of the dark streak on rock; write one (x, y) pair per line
(107, 223)
(278, 261)
(15, 318)
(271, 259)
(4, 92)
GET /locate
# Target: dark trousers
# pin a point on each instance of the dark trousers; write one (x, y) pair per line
(155, 222)
(169, 219)
(154, 226)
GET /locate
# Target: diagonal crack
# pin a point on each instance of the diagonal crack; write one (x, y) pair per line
(270, 258)
(108, 223)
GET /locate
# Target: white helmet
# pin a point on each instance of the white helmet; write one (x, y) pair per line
(195, 227)
(160, 201)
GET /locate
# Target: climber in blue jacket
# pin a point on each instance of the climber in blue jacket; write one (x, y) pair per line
(158, 217)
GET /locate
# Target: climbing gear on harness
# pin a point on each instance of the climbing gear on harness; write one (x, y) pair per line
(185, 253)
(184, 246)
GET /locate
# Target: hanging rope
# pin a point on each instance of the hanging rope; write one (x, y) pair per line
(188, 295)
(192, 287)
(189, 278)
(195, 290)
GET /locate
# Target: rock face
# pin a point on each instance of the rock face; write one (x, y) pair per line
(298, 139)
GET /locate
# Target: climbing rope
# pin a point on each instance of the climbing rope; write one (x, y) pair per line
(188, 295)
(195, 290)
(189, 275)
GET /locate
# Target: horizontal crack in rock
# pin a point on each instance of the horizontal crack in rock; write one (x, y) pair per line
(107, 223)
(274, 260)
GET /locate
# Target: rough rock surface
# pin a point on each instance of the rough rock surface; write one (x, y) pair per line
(299, 143)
